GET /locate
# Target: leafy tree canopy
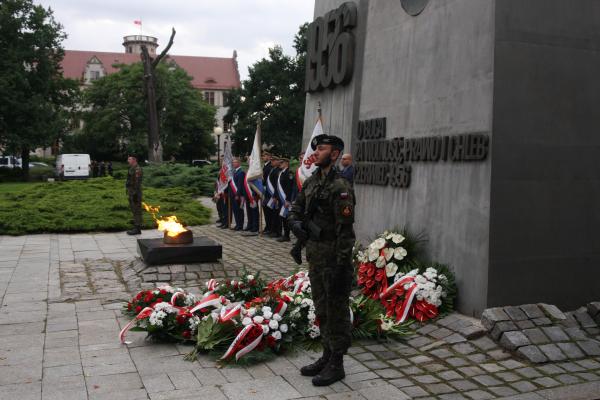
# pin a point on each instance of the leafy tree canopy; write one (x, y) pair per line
(275, 90)
(116, 122)
(35, 98)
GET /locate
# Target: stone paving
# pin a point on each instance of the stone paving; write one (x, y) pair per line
(61, 300)
(542, 333)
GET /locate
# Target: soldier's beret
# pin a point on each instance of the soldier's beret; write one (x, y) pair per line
(335, 141)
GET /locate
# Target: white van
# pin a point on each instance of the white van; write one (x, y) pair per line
(10, 162)
(73, 166)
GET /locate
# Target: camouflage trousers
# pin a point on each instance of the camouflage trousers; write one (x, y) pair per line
(135, 204)
(330, 288)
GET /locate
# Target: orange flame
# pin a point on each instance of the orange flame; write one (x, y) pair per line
(169, 224)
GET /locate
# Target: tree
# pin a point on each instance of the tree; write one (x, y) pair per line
(155, 149)
(274, 89)
(35, 99)
(116, 120)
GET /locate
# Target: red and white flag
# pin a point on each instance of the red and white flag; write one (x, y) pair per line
(226, 173)
(307, 166)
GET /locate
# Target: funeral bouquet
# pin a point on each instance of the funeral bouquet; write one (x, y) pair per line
(389, 271)
(248, 318)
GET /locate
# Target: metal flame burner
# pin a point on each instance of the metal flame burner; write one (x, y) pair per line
(185, 237)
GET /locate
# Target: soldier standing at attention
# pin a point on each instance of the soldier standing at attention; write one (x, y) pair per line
(133, 187)
(323, 214)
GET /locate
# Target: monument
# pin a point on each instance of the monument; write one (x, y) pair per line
(475, 121)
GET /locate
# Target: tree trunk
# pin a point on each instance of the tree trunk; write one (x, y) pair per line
(154, 146)
(155, 149)
(25, 163)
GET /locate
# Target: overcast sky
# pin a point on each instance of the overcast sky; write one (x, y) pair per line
(204, 27)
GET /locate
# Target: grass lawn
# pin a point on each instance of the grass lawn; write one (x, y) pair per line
(89, 205)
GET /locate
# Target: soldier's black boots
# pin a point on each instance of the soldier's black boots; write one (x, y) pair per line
(333, 371)
(296, 253)
(316, 367)
(134, 231)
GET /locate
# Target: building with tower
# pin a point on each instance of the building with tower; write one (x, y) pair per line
(213, 76)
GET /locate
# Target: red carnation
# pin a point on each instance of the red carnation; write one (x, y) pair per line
(187, 334)
(181, 318)
(163, 291)
(138, 309)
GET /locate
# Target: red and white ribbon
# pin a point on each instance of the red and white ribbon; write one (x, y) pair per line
(409, 296)
(211, 300)
(226, 315)
(233, 348)
(281, 307)
(211, 285)
(145, 313)
(176, 295)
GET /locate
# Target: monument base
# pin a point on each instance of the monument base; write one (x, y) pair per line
(202, 249)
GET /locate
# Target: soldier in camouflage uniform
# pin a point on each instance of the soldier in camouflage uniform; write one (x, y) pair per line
(323, 214)
(133, 187)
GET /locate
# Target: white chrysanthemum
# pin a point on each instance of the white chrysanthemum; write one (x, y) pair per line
(246, 321)
(380, 262)
(283, 328)
(400, 253)
(420, 280)
(251, 312)
(249, 277)
(298, 300)
(265, 329)
(277, 317)
(258, 319)
(397, 238)
(266, 309)
(276, 335)
(391, 269)
(378, 244)
(267, 314)
(388, 253)
(443, 278)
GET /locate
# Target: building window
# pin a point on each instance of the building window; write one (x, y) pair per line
(129, 49)
(227, 126)
(209, 97)
(94, 75)
(225, 99)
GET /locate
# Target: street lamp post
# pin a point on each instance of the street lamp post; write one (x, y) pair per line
(218, 131)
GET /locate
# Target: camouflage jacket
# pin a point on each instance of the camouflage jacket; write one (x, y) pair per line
(325, 205)
(133, 184)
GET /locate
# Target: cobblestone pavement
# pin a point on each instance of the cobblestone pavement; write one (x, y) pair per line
(61, 299)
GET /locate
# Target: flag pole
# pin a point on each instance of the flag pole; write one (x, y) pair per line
(260, 217)
(228, 211)
(319, 111)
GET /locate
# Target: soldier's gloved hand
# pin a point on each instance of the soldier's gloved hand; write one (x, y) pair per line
(300, 233)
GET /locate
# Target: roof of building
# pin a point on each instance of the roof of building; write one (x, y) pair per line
(217, 73)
